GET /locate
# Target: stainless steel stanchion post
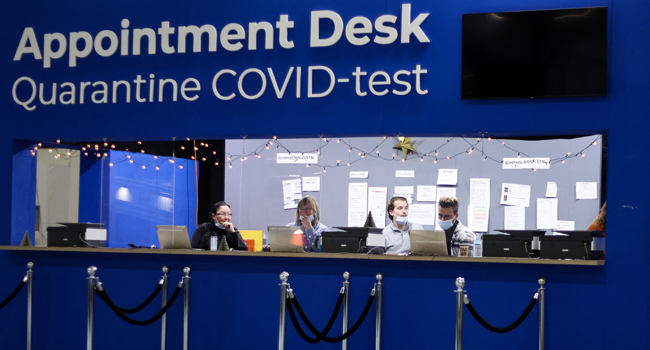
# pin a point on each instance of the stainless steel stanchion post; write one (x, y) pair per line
(91, 303)
(380, 277)
(163, 332)
(284, 277)
(542, 282)
(30, 265)
(460, 283)
(346, 300)
(186, 309)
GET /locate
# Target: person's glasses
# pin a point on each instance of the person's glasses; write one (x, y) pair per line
(302, 210)
(225, 215)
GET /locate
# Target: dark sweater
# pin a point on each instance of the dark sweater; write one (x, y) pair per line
(202, 234)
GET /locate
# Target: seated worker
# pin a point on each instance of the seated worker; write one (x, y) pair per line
(219, 226)
(396, 234)
(458, 236)
(308, 219)
(599, 222)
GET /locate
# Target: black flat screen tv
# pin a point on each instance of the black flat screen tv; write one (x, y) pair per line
(531, 54)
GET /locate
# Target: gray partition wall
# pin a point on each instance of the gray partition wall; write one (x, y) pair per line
(253, 187)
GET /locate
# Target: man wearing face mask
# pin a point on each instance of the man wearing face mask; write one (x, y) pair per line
(396, 234)
(308, 219)
(460, 240)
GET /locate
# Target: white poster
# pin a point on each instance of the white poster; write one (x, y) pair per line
(377, 205)
(526, 163)
(404, 173)
(357, 203)
(478, 216)
(426, 193)
(297, 158)
(546, 213)
(311, 184)
(445, 192)
(479, 192)
(513, 194)
(448, 177)
(424, 214)
(586, 190)
(514, 218)
(290, 192)
(551, 190)
(358, 174)
(403, 190)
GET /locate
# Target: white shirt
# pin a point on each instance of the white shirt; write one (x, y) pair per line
(398, 242)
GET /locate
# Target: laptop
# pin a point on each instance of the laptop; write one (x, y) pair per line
(173, 237)
(428, 243)
(285, 239)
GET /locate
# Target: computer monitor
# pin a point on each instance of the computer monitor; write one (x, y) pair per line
(173, 237)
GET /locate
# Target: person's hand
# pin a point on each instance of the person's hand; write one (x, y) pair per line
(229, 227)
(306, 223)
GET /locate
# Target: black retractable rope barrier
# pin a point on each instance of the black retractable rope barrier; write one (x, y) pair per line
(328, 327)
(508, 328)
(14, 293)
(146, 302)
(101, 292)
(319, 335)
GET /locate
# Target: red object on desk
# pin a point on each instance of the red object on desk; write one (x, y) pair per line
(250, 243)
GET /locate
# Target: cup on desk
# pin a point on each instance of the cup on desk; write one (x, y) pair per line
(214, 243)
(464, 250)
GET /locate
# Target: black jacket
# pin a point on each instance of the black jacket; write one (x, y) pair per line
(202, 234)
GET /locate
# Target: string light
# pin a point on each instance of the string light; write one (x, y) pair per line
(503, 143)
(436, 152)
(182, 148)
(271, 143)
(393, 156)
(267, 146)
(85, 153)
(180, 167)
(216, 163)
(155, 157)
(229, 158)
(106, 143)
(363, 155)
(230, 166)
(187, 138)
(568, 154)
(348, 164)
(214, 152)
(422, 159)
(203, 159)
(171, 160)
(196, 148)
(318, 152)
(489, 138)
(144, 167)
(582, 154)
(113, 146)
(275, 137)
(157, 167)
(325, 139)
(139, 143)
(324, 170)
(350, 150)
(403, 160)
(192, 157)
(83, 148)
(128, 156)
(518, 155)
(105, 155)
(562, 161)
(58, 141)
(201, 143)
(131, 161)
(49, 150)
(384, 137)
(338, 162)
(110, 164)
(534, 170)
(40, 144)
(377, 151)
(141, 151)
(448, 157)
(338, 141)
(307, 165)
(435, 161)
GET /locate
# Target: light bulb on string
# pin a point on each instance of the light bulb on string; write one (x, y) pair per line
(192, 157)
(436, 152)
(187, 138)
(49, 150)
(203, 159)
(141, 151)
(377, 151)
(180, 167)
(324, 170)
(485, 158)
(96, 146)
(489, 138)
(230, 166)
(105, 155)
(157, 167)
(201, 143)
(83, 148)
(214, 152)
(106, 143)
(128, 156)
(562, 161)
(582, 154)
(350, 150)
(435, 161)
(503, 143)
(58, 141)
(271, 143)
(155, 157)
(139, 143)
(206, 145)
(393, 156)
(171, 160)
(422, 159)
(86, 154)
(448, 157)
(229, 158)
(216, 163)
(403, 160)
(348, 164)
(363, 155)
(196, 148)
(338, 162)
(41, 144)
(518, 155)
(68, 154)
(144, 167)
(113, 146)
(99, 155)
(182, 148)
(131, 161)
(307, 165)
(535, 169)
(110, 164)
(568, 154)
(275, 137)
(593, 143)
(318, 152)
(384, 137)
(267, 146)
(325, 139)
(338, 141)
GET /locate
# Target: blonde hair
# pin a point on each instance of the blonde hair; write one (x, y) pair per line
(600, 219)
(449, 202)
(311, 201)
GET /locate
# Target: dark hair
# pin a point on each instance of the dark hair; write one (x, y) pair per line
(216, 207)
(449, 202)
(391, 205)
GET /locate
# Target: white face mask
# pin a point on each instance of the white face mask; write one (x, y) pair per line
(401, 219)
(445, 224)
(311, 217)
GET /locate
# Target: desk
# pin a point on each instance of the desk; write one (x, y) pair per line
(244, 254)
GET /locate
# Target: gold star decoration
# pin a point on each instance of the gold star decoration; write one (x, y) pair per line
(405, 145)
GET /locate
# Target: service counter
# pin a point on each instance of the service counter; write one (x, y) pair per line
(245, 254)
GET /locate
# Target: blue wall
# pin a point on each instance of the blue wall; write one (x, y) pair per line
(588, 307)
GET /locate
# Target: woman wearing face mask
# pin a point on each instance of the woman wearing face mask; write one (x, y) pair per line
(397, 233)
(308, 219)
(219, 226)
